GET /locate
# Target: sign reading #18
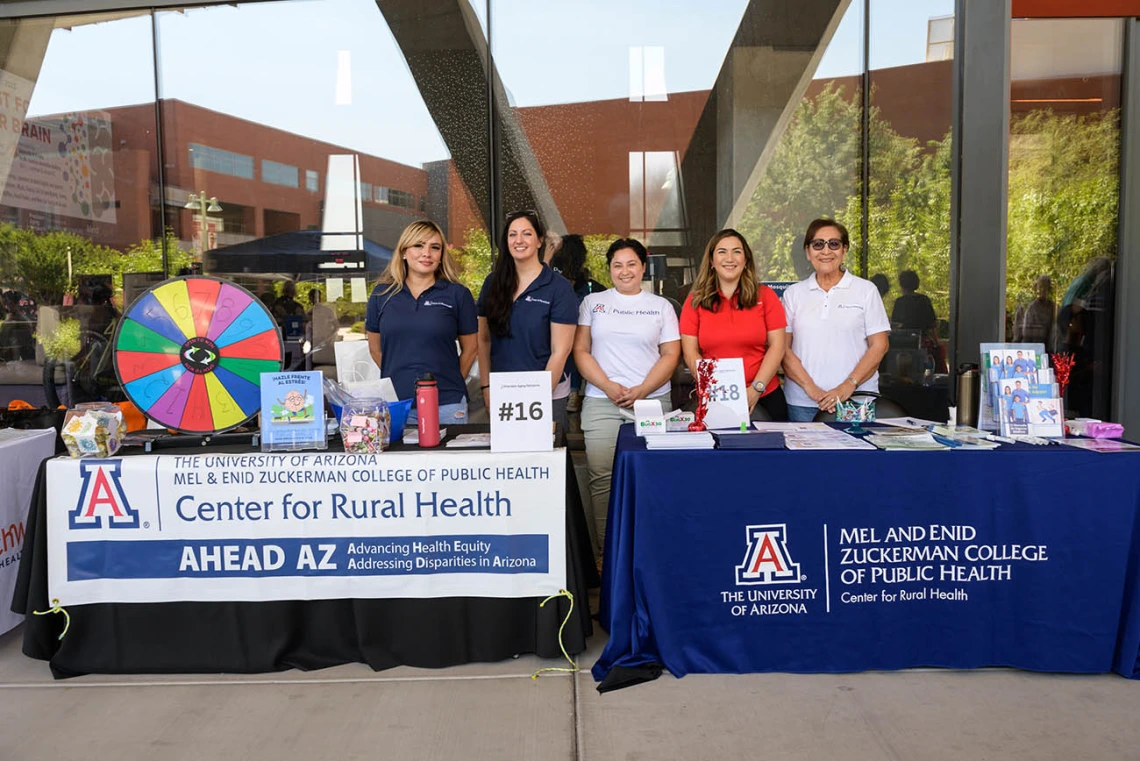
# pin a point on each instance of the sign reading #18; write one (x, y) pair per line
(728, 399)
(521, 412)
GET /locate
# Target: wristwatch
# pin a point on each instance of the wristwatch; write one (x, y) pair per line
(759, 387)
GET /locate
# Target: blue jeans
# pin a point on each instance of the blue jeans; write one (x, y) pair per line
(797, 414)
(449, 414)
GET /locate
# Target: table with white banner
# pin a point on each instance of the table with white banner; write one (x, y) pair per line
(229, 560)
(21, 453)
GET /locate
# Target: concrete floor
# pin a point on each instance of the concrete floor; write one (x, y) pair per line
(496, 711)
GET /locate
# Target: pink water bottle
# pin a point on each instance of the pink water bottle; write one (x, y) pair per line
(427, 410)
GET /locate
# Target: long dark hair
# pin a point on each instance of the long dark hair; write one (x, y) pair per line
(505, 276)
(571, 260)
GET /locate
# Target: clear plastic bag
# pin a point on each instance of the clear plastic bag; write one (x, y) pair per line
(93, 430)
(365, 426)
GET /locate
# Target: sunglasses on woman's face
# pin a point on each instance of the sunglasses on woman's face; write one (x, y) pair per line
(834, 244)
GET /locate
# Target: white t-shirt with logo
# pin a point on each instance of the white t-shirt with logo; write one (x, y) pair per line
(829, 331)
(625, 335)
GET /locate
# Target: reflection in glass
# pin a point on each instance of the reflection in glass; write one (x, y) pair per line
(75, 195)
(908, 193)
(359, 107)
(1064, 164)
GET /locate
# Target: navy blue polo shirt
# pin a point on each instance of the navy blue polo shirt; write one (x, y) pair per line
(418, 336)
(550, 298)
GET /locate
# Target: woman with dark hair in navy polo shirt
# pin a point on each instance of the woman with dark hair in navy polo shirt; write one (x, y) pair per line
(416, 314)
(527, 312)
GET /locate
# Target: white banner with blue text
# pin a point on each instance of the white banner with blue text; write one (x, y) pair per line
(250, 527)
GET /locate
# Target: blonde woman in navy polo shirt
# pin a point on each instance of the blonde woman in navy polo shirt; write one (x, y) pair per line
(415, 316)
(527, 312)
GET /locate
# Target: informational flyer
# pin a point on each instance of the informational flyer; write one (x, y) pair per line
(292, 411)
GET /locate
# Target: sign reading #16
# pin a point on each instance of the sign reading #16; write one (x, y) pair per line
(728, 399)
(521, 412)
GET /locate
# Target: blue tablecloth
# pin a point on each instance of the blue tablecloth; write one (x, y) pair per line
(833, 561)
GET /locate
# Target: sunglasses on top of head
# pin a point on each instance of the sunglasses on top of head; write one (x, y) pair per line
(834, 244)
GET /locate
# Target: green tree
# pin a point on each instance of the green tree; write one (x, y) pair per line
(1064, 193)
(813, 172)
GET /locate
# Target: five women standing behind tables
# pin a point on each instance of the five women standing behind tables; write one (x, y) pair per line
(829, 333)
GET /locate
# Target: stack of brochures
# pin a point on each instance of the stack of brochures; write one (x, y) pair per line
(680, 440)
(905, 439)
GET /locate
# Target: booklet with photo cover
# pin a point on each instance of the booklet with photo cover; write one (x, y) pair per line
(1005, 369)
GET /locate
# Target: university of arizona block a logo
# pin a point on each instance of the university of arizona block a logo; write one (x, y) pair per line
(767, 560)
(102, 497)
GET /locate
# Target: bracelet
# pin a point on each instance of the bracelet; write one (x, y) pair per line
(484, 388)
(854, 382)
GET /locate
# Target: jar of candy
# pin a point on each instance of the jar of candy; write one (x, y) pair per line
(365, 426)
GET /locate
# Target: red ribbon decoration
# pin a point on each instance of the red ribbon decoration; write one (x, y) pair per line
(705, 383)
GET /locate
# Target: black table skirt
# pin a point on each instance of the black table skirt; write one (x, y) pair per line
(253, 637)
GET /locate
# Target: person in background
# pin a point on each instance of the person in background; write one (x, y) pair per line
(570, 262)
(883, 283)
(627, 346)
(729, 313)
(414, 317)
(837, 326)
(913, 311)
(1036, 321)
(527, 313)
(287, 305)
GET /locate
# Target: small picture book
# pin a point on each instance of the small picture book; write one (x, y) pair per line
(292, 411)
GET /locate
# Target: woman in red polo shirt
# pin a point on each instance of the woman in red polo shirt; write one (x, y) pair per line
(729, 314)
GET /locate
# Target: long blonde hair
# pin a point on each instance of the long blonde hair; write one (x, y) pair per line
(706, 289)
(418, 231)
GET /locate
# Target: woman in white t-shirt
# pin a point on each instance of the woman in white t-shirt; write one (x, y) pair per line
(626, 347)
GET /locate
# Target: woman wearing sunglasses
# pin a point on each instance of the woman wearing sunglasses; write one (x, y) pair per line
(729, 314)
(837, 328)
(527, 312)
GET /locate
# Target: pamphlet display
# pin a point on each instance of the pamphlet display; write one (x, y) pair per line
(292, 412)
(1007, 371)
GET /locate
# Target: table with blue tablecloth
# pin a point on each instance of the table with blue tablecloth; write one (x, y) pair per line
(720, 561)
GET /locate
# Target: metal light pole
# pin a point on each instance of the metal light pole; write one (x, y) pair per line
(203, 205)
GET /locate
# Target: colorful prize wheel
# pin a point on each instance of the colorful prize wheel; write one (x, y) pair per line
(190, 352)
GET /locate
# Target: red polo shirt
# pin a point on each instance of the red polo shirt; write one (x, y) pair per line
(730, 332)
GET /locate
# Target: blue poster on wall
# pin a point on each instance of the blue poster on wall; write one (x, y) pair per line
(292, 411)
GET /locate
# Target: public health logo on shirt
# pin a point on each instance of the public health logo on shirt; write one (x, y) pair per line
(767, 560)
(599, 308)
(102, 496)
(428, 303)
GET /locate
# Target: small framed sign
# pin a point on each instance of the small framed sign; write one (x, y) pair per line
(292, 412)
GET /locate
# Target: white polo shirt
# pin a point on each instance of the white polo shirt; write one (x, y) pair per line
(829, 330)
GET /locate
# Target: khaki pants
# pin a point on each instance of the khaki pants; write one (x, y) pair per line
(601, 419)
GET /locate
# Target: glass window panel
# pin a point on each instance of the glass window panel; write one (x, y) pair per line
(325, 78)
(908, 196)
(1064, 191)
(601, 142)
(813, 168)
(278, 174)
(79, 203)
